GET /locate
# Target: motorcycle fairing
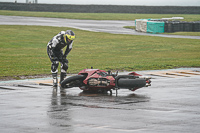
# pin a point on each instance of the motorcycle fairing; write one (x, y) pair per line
(97, 79)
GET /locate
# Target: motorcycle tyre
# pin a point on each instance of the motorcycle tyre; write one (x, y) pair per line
(124, 83)
(70, 79)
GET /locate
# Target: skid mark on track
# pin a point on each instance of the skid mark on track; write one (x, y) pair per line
(6, 88)
(174, 73)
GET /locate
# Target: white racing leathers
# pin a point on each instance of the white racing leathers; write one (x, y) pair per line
(55, 53)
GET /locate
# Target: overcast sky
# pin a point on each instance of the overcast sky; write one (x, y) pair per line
(119, 2)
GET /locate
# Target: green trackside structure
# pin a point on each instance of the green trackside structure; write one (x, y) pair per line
(146, 25)
(155, 27)
(163, 25)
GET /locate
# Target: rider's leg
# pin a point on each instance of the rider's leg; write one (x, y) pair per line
(64, 67)
(54, 71)
(54, 65)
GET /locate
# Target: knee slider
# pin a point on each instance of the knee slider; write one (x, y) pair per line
(64, 66)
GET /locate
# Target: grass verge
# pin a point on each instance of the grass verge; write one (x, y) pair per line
(23, 51)
(184, 33)
(174, 33)
(99, 16)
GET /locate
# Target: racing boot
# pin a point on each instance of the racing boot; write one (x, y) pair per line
(62, 76)
(55, 79)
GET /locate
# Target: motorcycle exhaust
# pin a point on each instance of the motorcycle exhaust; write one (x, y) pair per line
(148, 81)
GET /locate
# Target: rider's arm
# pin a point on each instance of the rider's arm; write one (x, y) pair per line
(56, 40)
(68, 49)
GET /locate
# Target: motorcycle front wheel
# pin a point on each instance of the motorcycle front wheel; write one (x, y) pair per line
(73, 81)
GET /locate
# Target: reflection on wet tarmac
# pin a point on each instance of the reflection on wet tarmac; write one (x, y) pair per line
(64, 104)
(84, 99)
(169, 105)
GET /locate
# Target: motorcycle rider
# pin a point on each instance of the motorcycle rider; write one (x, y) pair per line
(55, 53)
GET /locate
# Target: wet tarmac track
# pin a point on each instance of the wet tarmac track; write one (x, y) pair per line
(108, 26)
(171, 104)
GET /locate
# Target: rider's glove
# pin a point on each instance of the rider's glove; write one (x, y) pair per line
(64, 57)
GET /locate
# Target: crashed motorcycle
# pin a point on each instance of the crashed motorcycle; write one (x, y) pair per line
(100, 81)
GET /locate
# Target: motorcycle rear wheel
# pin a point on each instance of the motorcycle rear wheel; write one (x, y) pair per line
(125, 83)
